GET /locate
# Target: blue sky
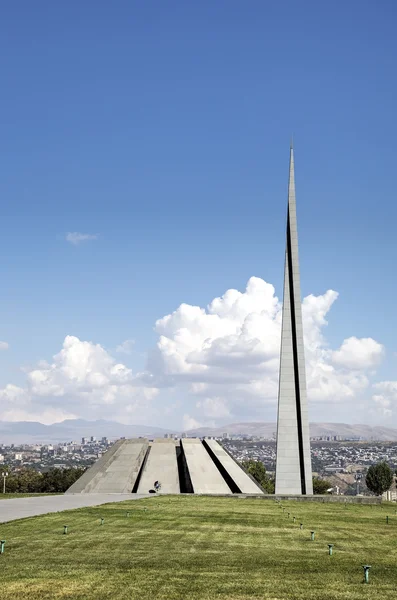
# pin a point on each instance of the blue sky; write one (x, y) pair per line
(163, 129)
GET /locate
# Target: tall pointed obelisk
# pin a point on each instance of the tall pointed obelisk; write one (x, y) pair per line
(293, 461)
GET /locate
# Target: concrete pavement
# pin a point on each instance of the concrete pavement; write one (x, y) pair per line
(20, 508)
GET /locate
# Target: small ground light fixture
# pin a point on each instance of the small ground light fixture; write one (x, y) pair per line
(330, 547)
(366, 573)
(102, 520)
(312, 533)
(65, 529)
(2, 544)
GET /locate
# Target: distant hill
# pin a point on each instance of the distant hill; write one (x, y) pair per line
(29, 432)
(316, 429)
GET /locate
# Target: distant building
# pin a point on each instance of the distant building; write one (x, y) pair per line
(84, 440)
(93, 438)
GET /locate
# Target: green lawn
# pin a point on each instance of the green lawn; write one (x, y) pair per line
(202, 548)
(8, 496)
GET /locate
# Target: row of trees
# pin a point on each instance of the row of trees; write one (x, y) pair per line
(379, 478)
(257, 469)
(29, 481)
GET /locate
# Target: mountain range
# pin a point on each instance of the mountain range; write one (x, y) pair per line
(32, 432)
(268, 430)
(28, 432)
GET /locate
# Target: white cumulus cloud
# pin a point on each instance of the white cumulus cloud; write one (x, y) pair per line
(189, 423)
(77, 238)
(210, 365)
(125, 347)
(386, 398)
(4, 346)
(82, 379)
(357, 353)
(227, 355)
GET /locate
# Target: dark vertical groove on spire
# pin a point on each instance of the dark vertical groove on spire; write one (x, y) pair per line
(295, 354)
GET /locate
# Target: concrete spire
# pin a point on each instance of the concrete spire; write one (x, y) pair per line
(293, 461)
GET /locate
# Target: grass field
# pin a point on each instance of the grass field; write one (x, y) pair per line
(11, 496)
(202, 548)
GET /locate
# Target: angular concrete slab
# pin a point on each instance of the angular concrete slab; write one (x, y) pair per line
(115, 472)
(161, 465)
(240, 478)
(204, 475)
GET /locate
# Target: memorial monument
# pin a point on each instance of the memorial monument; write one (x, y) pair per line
(293, 460)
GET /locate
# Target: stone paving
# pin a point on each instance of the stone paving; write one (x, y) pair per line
(20, 508)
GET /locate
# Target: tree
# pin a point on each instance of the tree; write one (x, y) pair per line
(29, 481)
(379, 478)
(59, 480)
(257, 469)
(320, 486)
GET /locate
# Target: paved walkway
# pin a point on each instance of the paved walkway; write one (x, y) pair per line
(19, 508)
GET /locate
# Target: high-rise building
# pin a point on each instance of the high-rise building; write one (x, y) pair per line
(293, 461)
